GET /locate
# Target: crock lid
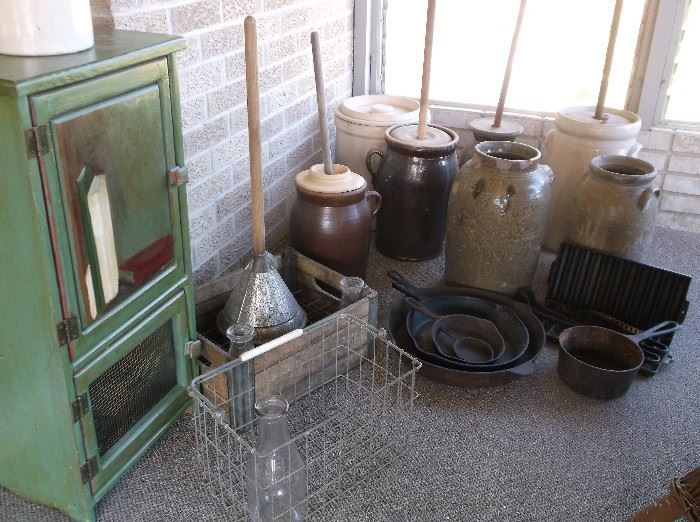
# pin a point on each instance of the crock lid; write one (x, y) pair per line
(316, 180)
(435, 137)
(379, 109)
(587, 115)
(485, 131)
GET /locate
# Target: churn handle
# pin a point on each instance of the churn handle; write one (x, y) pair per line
(368, 162)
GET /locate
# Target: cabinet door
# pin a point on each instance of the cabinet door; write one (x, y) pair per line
(118, 216)
(133, 390)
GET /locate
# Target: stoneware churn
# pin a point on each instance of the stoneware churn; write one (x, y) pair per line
(577, 138)
(45, 27)
(413, 177)
(615, 207)
(360, 124)
(497, 216)
(332, 217)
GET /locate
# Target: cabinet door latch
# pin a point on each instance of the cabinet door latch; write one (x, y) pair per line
(89, 470)
(193, 349)
(80, 407)
(177, 176)
(67, 330)
(37, 141)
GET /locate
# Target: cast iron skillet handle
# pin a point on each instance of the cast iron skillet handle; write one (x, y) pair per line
(416, 305)
(658, 330)
(399, 278)
(368, 162)
(405, 290)
(377, 197)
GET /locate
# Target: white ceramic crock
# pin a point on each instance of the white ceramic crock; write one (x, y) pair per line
(360, 125)
(45, 27)
(568, 149)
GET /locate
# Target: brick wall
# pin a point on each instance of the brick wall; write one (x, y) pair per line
(674, 153)
(212, 88)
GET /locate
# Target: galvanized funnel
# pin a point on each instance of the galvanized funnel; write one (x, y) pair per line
(262, 299)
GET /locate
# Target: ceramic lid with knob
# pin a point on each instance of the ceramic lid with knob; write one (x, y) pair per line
(435, 136)
(581, 121)
(379, 109)
(342, 180)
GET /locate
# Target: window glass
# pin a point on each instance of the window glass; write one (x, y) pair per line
(682, 102)
(559, 60)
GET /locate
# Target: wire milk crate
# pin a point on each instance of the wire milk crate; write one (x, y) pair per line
(351, 393)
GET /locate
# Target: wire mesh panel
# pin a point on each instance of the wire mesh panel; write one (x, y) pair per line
(351, 393)
(129, 389)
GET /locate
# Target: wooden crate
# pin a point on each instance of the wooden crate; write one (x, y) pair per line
(299, 363)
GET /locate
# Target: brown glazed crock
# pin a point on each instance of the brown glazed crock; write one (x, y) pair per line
(334, 228)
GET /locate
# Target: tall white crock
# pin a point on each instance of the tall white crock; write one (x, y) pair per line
(45, 27)
(568, 149)
(360, 124)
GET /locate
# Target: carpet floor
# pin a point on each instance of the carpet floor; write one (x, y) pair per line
(531, 450)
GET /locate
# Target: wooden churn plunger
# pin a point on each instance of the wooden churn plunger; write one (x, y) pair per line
(260, 297)
(496, 128)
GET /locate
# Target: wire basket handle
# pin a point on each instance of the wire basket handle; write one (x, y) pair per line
(246, 356)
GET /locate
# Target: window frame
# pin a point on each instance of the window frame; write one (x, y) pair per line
(657, 46)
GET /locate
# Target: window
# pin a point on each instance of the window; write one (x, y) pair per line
(682, 103)
(559, 60)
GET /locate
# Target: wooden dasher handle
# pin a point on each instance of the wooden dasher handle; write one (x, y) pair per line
(427, 59)
(254, 147)
(321, 99)
(600, 106)
(509, 66)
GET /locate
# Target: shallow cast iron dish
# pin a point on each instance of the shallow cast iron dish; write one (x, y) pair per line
(511, 327)
(469, 339)
(600, 362)
(469, 379)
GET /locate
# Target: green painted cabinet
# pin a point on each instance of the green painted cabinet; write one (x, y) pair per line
(97, 313)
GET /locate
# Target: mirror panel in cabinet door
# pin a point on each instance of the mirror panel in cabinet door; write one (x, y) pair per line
(112, 159)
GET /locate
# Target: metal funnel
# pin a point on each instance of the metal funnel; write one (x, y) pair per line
(261, 298)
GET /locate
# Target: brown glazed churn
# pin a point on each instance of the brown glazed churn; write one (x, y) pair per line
(497, 217)
(413, 177)
(615, 207)
(332, 217)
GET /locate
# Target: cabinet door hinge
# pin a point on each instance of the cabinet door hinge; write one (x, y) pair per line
(37, 141)
(177, 176)
(193, 349)
(80, 407)
(67, 330)
(89, 470)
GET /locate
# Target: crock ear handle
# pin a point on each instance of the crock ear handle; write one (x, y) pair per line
(368, 162)
(647, 196)
(635, 149)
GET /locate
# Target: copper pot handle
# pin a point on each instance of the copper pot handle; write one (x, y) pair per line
(372, 194)
(368, 162)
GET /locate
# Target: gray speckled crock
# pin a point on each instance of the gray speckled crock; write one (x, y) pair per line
(496, 217)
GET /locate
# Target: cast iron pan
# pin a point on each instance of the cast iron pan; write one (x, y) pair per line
(477, 340)
(514, 332)
(469, 379)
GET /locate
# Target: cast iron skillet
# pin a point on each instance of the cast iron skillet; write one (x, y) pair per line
(478, 340)
(468, 379)
(514, 332)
